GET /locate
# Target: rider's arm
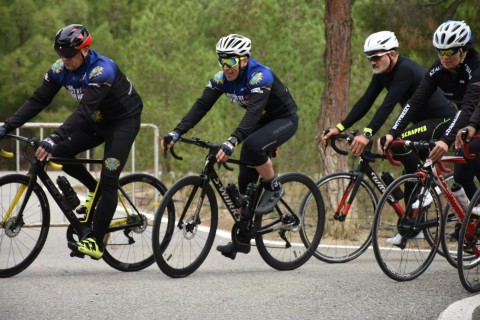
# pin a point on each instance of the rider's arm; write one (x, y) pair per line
(363, 105)
(40, 99)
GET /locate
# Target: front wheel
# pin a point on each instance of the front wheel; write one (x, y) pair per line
(287, 237)
(469, 247)
(21, 237)
(184, 227)
(130, 248)
(347, 232)
(406, 235)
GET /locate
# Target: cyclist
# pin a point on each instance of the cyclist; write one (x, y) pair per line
(108, 112)
(400, 76)
(269, 121)
(456, 72)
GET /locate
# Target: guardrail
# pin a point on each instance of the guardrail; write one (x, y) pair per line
(43, 125)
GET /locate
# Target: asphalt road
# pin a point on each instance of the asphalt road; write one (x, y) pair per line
(57, 286)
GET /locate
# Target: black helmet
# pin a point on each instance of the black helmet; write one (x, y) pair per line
(70, 39)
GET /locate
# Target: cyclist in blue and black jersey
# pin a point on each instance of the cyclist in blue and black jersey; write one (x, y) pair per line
(269, 121)
(400, 76)
(456, 72)
(109, 110)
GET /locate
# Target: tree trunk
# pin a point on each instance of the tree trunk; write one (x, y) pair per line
(334, 104)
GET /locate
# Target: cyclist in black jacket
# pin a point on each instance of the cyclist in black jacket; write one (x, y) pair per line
(457, 73)
(108, 112)
(400, 77)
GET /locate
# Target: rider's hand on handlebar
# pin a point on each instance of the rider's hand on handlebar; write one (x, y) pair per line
(44, 150)
(358, 145)
(169, 140)
(3, 132)
(226, 150)
(439, 151)
(459, 138)
(330, 132)
(383, 143)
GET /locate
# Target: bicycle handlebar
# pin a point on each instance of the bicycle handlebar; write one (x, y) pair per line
(466, 146)
(367, 154)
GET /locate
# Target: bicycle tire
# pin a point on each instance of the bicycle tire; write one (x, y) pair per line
(345, 239)
(181, 243)
(410, 261)
(291, 249)
(468, 250)
(21, 246)
(131, 249)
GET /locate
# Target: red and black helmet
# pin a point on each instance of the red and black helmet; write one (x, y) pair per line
(70, 39)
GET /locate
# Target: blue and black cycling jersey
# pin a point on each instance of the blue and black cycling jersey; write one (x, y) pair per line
(103, 91)
(462, 87)
(400, 82)
(256, 89)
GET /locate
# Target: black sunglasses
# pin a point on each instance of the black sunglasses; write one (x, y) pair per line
(66, 52)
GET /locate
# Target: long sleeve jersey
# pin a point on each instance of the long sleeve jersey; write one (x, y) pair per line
(401, 82)
(462, 87)
(256, 89)
(103, 91)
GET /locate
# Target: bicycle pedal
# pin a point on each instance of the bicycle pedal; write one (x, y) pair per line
(76, 255)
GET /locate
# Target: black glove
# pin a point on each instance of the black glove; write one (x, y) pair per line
(169, 137)
(3, 132)
(49, 143)
(229, 146)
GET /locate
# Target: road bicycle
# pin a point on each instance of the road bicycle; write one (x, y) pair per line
(186, 222)
(406, 236)
(350, 202)
(469, 244)
(25, 214)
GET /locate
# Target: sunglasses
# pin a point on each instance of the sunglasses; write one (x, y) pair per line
(230, 62)
(447, 52)
(377, 57)
(66, 52)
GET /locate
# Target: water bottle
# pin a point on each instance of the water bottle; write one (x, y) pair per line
(234, 194)
(388, 179)
(460, 195)
(250, 193)
(69, 195)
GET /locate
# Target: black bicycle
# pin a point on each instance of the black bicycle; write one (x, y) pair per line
(186, 222)
(25, 214)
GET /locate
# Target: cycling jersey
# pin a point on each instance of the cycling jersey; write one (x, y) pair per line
(401, 82)
(256, 89)
(103, 91)
(461, 87)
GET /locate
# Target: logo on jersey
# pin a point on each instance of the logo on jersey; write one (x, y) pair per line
(218, 78)
(95, 72)
(112, 164)
(255, 78)
(57, 66)
(96, 116)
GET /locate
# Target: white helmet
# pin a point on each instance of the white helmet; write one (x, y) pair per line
(383, 40)
(452, 34)
(233, 45)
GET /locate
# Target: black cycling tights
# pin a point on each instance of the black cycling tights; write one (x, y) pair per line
(118, 138)
(257, 147)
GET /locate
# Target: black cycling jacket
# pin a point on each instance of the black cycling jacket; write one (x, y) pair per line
(401, 82)
(461, 87)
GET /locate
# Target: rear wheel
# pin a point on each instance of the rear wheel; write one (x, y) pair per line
(287, 237)
(130, 248)
(345, 237)
(405, 244)
(21, 238)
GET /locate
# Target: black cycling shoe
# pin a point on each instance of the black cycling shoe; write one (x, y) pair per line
(269, 200)
(230, 250)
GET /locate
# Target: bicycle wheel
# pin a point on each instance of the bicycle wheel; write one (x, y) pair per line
(405, 244)
(184, 227)
(130, 249)
(287, 237)
(469, 247)
(20, 246)
(345, 237)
